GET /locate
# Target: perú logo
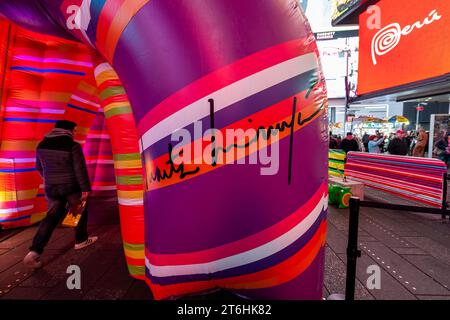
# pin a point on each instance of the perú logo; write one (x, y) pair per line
(79, 17)
(389, 37)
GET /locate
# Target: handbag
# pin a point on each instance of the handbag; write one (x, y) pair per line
(73, 215)
(438, 152)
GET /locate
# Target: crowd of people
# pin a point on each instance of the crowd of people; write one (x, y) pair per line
(400, 143)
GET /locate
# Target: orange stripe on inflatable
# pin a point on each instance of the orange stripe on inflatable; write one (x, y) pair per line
(106, 16)
(124, 15)
(161, 162)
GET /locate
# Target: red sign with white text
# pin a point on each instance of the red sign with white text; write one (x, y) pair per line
(412, 44)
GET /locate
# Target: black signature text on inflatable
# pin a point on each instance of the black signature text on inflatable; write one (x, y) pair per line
(266, 133)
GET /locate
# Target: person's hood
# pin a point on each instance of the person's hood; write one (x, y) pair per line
(58, 132)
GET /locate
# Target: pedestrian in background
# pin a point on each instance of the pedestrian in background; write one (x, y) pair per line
(419, 148)
(61, 163)
(374, 144)
(442, 149)
(349, 143)
(365, 141)
(399, 145)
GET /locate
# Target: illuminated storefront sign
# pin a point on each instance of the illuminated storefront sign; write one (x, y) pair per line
(409, 47)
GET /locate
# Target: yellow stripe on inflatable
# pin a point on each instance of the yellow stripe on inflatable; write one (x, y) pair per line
(134, 254)
(128, 164)
(19, 145)
(130, 194)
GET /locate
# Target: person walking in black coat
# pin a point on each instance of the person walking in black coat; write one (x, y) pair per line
(399, 146)
(60, 161)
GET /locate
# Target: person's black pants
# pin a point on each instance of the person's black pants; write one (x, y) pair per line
(58, 196)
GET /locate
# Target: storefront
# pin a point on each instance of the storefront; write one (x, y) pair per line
(404, 55)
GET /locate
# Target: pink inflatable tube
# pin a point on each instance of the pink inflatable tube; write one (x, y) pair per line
(254, 224)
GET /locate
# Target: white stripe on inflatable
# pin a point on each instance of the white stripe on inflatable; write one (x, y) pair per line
(246, 257)
(102, 68)
(17, 160)
(79, 99)
(229, 95)
(131, 202)
(15, 210)
(34, 110)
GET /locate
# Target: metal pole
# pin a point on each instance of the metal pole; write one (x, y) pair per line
(352, 249)
(444, 196)
(347, 90)
(417, 119)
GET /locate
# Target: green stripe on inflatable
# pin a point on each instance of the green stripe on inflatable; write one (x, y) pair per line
(126, 109)
(335, 172)
(336, 161)
(134, 247)
(336, 167)
(129, 180)
(112, 91)
(127, 156)
(136, 270)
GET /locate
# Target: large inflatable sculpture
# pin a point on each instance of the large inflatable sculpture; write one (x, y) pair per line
(195, 72)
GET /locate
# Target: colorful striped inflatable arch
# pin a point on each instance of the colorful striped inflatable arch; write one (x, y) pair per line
(413, 178)
(246, 214)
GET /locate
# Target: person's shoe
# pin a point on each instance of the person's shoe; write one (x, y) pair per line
(86, 243)
(33, 260)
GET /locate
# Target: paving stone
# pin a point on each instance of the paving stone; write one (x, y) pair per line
(92, 269)
(404, 251)
(421, 224)
(433, 267)
(18, 238)
(410, 233)
(20, 293)
(433, 231)
(8, 233)
(13, 257)
(366, 238)
(114, 284)
(433, 297)
(335, 277)
(54, 272)
(434, 248)
(406, 273)
(379, 216)
(337, 219)
(388, 237)
(391, 289)
(336, 239)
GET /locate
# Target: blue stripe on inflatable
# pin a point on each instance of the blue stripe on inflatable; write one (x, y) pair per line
(17, 170)
(15, 219)
(49, 71)
(81, 109)
(30, 120)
